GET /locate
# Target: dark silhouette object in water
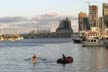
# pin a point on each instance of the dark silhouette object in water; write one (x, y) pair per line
(34, 59)
(65, 60)
(63, 56)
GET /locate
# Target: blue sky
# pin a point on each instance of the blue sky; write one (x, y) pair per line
(38, 7)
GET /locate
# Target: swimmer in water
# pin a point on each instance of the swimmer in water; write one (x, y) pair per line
(34, 58)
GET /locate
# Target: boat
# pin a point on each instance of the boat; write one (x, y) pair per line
(93, 38)
(93, 42)
(77, 40)
(67, 60)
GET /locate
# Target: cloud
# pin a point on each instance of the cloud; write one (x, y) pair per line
(12, 19)
(50, 14)
(23, 24)
(46, 17)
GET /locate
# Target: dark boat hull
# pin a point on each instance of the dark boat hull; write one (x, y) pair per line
(67, 60)
(77, 41)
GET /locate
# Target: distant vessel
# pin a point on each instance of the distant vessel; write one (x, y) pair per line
(93, 38)
(76, 38)
(93, 42)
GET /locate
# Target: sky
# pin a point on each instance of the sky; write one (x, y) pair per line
(28, 15)
(36, 7)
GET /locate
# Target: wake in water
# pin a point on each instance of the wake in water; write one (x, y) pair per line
(41, 60)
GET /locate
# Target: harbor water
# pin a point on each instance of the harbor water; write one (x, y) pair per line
(15, 56)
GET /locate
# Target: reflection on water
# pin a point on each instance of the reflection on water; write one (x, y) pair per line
(16, 56)
(101, 57)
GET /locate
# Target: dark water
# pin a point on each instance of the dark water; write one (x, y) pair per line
(16, 56)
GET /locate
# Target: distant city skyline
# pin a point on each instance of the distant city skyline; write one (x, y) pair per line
(28, 15)
(37, 7)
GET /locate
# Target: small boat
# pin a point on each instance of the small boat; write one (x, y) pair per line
(67, 60)
(77, 40)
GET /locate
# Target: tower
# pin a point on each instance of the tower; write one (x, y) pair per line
(105, 14)
(64, 26)
(93, 15)
(83, 22)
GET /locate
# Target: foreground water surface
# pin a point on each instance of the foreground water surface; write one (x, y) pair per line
(16, 56)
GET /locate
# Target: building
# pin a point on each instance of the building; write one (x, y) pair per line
(64, 26)
(93, 15)
(101, 26)
(83, 22)
(105, 14)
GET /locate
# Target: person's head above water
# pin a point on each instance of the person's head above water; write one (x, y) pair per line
(63, 55)
(34, 55)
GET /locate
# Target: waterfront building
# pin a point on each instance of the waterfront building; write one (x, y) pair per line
(64, 26)
(93, 15)
(83, 22)
(105, 14)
